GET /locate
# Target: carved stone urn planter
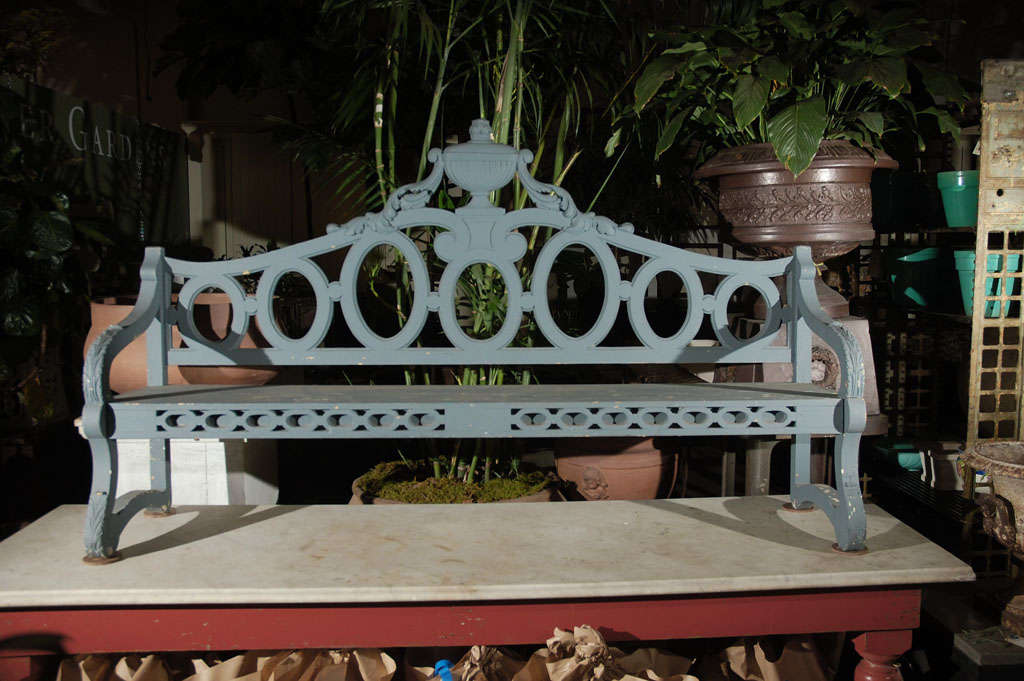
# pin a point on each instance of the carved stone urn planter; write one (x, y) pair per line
(1003, 511)
(828, 207)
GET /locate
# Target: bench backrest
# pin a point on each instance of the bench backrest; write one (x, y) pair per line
(479, 232)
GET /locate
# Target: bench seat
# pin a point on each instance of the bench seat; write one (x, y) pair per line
(391, 411)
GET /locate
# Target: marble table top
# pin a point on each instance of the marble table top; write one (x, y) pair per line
(229, 555)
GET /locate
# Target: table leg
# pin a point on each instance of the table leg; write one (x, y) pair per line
(880, 650)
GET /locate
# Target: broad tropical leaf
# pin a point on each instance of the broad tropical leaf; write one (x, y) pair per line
(889, 73)
(797, 24)
(873, 121)
(940, 83)
(773, 68)
(656, 73)
(749, 98)
(668, 135)
(796, 132)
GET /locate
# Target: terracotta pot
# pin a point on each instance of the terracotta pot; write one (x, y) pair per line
(828, 207)
(360, 497)
(616, 467)
(212, 316)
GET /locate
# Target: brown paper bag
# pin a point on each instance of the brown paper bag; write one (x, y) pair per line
(800, 661)
(110, 668)
(479, 663)
(583, 655)
(304, 665)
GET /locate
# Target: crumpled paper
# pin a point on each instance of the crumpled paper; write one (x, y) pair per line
(304, 665)
(583, 655)
(578, 655)
(480, 663)
(110, 668)
(800, 661)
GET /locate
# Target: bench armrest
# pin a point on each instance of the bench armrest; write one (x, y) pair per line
(96, 371)
(805, 306)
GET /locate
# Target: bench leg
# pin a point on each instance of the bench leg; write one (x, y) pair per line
(800, 471)
(849, 519)
(843, 503)
(107, 515)
(160, 475)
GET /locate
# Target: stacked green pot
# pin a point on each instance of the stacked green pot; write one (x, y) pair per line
(959, 197)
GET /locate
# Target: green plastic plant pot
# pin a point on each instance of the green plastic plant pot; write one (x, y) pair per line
(959, 197)
(914, 275)
(964, 259)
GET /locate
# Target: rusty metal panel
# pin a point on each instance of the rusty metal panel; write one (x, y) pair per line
(995, 411)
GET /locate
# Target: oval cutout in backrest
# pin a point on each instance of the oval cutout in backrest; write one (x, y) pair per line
(385, 290)
(745, 306)
(294, 304)
(667, 303)
(481, 301)
(212, 314)
(576, 290)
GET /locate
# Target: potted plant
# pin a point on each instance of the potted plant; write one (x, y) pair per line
(440, 481)
(789, 105)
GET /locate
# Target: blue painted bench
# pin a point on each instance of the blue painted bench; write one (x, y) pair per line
(478, 232)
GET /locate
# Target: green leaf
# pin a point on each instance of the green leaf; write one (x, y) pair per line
(796, 132)
(771, 4)
(668, 135)
(947, 124)
(653, 77)
(773, 68)
(941, 84)
(907, 38)
(613, 142)
(873, 121)
(686, 48)
(749, 98)
(901, 16)
(852, 74)
(797, 24)
(52, 231)
(889, 73)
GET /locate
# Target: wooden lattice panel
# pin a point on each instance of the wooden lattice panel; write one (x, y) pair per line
(995, 389)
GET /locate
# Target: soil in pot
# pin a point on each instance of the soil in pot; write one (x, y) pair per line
(399, 482)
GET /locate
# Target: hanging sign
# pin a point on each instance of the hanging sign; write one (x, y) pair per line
(137, 172)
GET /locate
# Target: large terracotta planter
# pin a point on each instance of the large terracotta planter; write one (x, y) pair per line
(616, 467)
(212, 316)
(828, 207)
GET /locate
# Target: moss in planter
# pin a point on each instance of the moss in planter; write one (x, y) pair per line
(414, 484)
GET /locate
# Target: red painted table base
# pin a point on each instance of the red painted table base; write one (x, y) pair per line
(886, 616)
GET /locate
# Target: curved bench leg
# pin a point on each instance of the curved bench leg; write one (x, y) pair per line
(843, 504)
(106, 515)
(849, 519)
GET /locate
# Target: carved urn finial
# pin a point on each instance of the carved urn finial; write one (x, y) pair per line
(480, 166)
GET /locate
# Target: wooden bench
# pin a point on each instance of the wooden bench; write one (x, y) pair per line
(478, 232)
